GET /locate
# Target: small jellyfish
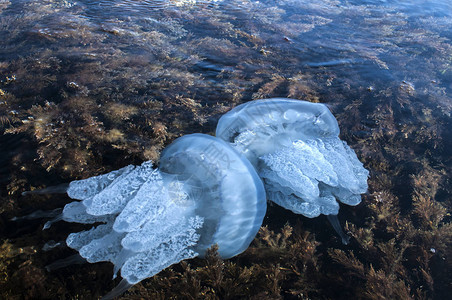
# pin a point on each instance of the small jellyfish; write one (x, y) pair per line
(203, 193)
(295, 147)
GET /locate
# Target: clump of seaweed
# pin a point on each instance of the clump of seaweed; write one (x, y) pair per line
(401, 249)
(17, 265)
(391, 241)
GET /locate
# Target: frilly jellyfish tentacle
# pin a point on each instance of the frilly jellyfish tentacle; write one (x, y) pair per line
(295, 147)
(204, 193)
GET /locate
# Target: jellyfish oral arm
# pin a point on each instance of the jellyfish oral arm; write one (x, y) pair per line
(316, 172)
(144, 230)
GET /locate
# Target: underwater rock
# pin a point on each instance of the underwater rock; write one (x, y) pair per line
(295, 147)
(204, 193)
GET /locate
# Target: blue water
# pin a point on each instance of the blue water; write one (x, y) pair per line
(379, 39)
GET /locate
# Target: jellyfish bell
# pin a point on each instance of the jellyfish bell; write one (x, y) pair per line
(295, 147)
(230, 195)
(263, 126)
(204, 193)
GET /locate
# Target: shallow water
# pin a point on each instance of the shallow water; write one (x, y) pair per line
(90, 86)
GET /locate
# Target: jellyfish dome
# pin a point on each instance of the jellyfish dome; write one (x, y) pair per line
(204, 193)
(295, 147)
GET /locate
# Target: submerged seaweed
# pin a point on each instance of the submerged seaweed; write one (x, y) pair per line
(84, 92)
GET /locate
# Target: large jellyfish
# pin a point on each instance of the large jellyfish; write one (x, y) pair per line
(204, 193)
(295, 147)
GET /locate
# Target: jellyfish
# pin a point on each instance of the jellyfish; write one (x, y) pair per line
(203, 193)
(295, 147)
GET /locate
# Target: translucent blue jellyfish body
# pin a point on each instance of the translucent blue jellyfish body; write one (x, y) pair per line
(204, 193)
(295, 147)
